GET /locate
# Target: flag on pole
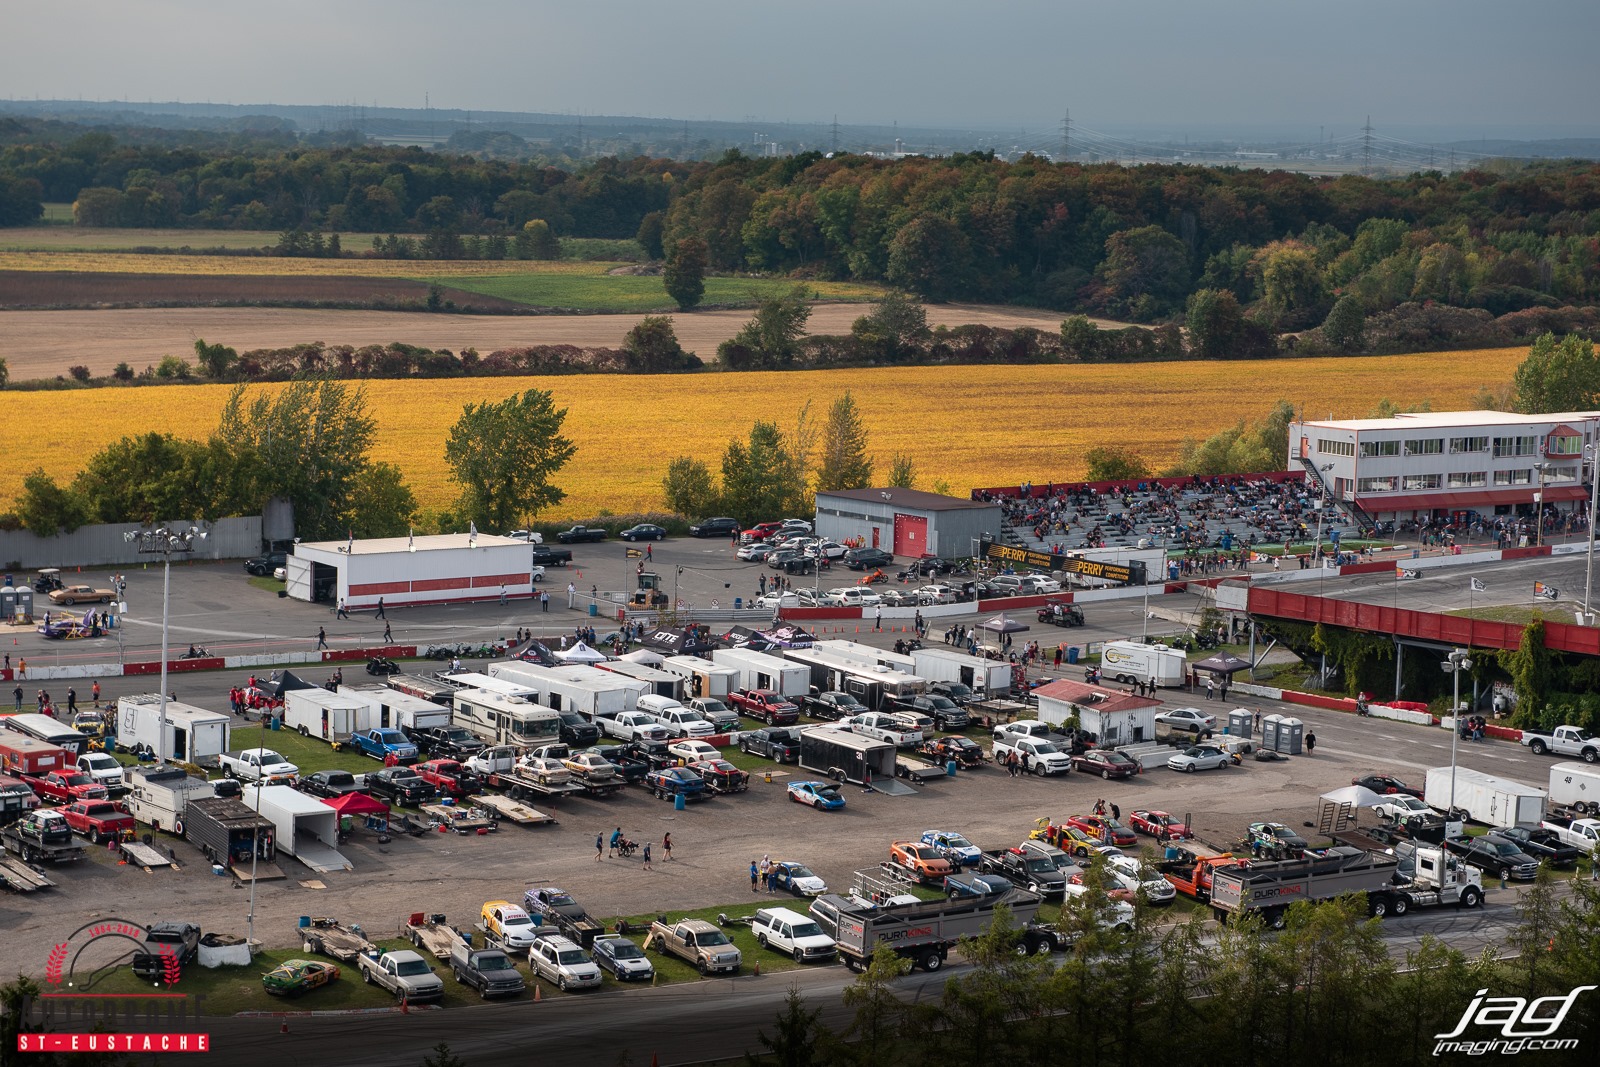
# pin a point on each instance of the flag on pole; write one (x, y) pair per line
(1478, 587)
(411, 539)
(1548, 592)
(472, 529)
(350, 545)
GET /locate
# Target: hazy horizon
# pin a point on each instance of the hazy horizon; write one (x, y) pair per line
(1429, 70)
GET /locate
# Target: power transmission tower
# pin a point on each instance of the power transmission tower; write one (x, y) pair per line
(1366, 147)
(836, 133)
(1066, 136)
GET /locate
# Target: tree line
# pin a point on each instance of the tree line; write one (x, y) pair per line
(310, 444)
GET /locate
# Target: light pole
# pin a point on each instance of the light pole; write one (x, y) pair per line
(1538, 506)
(163, 542)
(1594, 491)
(1457, 661)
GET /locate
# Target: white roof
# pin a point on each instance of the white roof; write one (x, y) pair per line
(377, 546)
(1446, 419)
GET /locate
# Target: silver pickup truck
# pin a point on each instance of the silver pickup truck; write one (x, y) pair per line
(405, 974)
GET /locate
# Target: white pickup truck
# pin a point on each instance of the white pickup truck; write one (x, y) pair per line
(884, 727)
(1583, 834)
(405, 974)
(1039, 756)
(1564, 741)
(635, 726)
(257, 764)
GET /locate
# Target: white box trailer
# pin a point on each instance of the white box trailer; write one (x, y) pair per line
(1133, 661)
(757, 670)
(307, 829)
(1576, 785)
(1485, 798)
(158, 796)
(497, 719)
(875, 686)
(987, 678)
(592, 693)
(403, 711)
(662, 683)
(332, 716)
(701, 677)
(194, 735)
(866, 655)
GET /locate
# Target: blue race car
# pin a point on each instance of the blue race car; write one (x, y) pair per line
(818, 794)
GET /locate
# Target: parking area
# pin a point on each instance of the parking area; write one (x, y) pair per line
(714, 841)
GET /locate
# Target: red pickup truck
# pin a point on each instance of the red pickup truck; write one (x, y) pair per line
(98, 820)
(65, 787)
(450, 778)
(765, 705)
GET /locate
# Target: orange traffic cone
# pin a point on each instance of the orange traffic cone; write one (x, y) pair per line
(758, 969)
(537, 997)
(283, 1027)
(405, 1005)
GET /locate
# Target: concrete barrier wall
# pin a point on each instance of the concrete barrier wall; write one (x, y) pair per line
(103, 545)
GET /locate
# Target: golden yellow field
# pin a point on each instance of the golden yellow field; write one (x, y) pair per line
(970, 426)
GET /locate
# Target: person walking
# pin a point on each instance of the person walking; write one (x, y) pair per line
(651, 556)
(96, 692)
(1311, 743)
(322, 639)
(572, 596)
(544, 600)
(754, 872)
(599, 847)
(72, 700)
(1116, 812)
(388, 637)
(22, 667)
(343, 612)
(666, 845)
(647, 856)
(1211, 686)
(616, 835)
(502, 595)
(380, 614)
(17, 696)
(877, 621)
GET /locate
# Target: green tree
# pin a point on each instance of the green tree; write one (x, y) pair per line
(380, 503)
(306, 443)
(1216, 322)
(895, 329)
(902, 471)
(1244, 446)
(873, 1037)
(1345, 328)
(149, 478)
(1110, 463)
(932, 257)
(652, 347)
(1557, 375)
(217, 360)
(504, 456)
(1080, 338)
(685, 272)
(441, 1056)
(688, 488)
(1292, 289)
(542, 240)
(759, 475)
(772, 338)
(46, 508)
(1530, 665)
(652, 229)
(844, 463)
(1146, 271)
(794, 1044)
(5, 373)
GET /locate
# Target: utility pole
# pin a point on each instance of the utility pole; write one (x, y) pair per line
(1366, 149)
(1066, 136)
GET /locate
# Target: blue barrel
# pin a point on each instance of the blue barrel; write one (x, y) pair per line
(678, 803)
(738, 603)
(1072, 653)
(950, 768)
(1172, 852)
(305, 922)
(594, 609)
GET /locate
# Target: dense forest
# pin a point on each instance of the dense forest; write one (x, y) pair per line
(1139, 243)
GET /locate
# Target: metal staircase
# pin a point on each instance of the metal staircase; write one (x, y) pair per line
(1360, 518)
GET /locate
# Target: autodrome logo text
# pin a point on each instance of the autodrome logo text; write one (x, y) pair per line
(1524, 1025)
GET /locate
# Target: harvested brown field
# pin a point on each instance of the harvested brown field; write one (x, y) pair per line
(36, 290)
(43, 344)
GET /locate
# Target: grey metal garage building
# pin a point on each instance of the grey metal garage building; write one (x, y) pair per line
(907, 522)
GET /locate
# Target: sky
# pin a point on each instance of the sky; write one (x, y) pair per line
(1434, 68)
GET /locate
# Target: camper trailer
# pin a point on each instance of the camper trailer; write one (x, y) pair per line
(498, 719)
(403, 711)
(333, 717)
(158, 796)
(701, 677)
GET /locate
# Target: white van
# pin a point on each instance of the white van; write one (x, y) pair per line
(792, 934)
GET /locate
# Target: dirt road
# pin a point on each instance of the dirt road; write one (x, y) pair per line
(43, 344)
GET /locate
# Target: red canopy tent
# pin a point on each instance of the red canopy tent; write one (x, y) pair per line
(357, 805)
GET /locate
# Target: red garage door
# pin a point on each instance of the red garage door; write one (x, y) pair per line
(910, 535)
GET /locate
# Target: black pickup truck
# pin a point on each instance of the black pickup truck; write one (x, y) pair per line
(545, 556)
(580, 534)
(1540, 843)
(167, 948)
(446, 742)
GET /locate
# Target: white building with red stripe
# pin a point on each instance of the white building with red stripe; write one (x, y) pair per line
(1445, 464)
(431, 569)
(907, 522)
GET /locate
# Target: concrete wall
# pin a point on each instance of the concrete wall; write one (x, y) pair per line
(103, 544)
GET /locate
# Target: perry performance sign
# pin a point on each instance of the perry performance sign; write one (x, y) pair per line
(1047, 561)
